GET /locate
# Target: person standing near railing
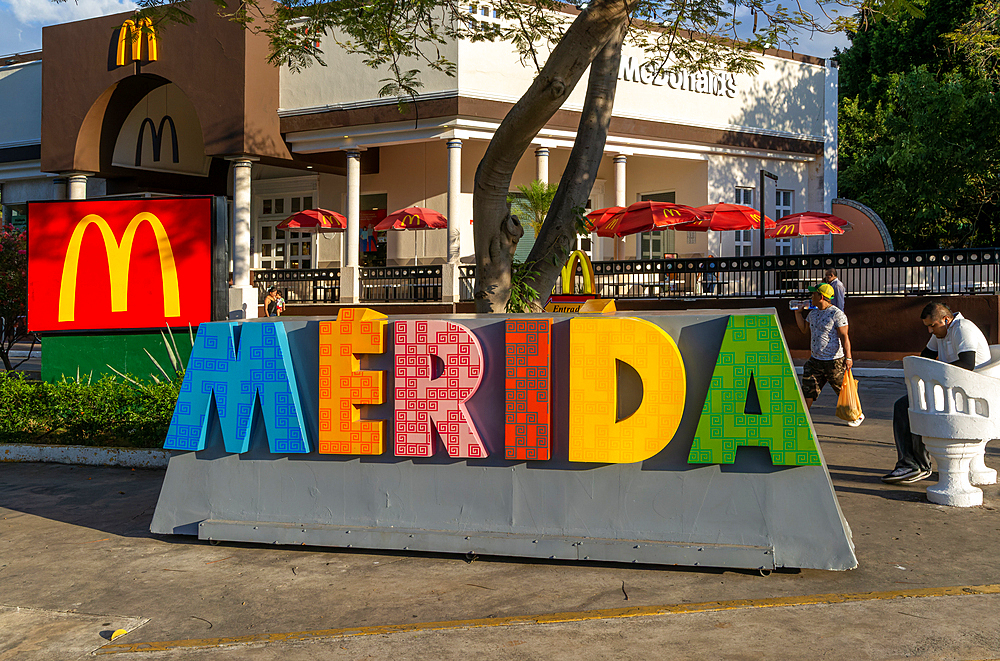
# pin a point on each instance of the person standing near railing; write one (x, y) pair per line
(273, 303)
(829, 345)
(709, 281)
(839, 291)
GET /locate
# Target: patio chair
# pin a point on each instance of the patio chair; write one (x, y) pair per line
(956, 412)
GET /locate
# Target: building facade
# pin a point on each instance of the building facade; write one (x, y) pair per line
(198, 110)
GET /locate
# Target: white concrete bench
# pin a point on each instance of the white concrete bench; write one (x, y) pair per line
(956, 412)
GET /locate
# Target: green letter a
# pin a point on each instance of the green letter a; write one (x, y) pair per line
(753, 348)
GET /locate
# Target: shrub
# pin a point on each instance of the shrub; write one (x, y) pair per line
(13, 289)
(83, 412)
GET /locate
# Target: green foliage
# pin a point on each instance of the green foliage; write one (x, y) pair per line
(13, 288)
(978, 40)
(107, 412)
(537, 198)
(919, 131)
(522, 295)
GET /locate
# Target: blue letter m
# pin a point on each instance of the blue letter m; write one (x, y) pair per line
(263, 366)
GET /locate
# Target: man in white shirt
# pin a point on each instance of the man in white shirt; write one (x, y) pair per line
(954, 340)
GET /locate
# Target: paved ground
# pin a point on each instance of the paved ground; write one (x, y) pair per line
(77, 562)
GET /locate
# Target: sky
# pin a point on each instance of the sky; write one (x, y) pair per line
(21, 24)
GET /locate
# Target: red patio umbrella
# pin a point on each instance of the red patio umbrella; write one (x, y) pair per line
(647, 216)
(598, 217)
(807, 223)
(314, 220)
(413, 218)
(723, 217)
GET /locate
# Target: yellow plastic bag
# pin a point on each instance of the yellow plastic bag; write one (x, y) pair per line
(848, 404)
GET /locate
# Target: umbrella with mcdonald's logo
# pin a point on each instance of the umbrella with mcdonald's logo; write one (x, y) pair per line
(314, 220)
(725, 217)
(807, 223)
(598, 217)
(647, 216)
(413, 218)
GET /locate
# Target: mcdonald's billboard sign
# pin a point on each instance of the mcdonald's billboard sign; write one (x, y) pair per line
(124, 264)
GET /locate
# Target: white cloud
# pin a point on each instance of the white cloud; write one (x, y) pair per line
(47, 12)
(21, 21)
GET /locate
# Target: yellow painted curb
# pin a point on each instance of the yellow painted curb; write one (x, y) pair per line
(553, 618)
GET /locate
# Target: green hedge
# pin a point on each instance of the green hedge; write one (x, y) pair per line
(106, 412)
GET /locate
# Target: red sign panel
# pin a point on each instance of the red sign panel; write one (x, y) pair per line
(119, 264)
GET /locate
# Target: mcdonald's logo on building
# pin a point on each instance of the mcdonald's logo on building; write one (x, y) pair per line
(119, 264)
(157, 137)
(131, 36)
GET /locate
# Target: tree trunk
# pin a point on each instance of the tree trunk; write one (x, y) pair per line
(496, 233)
(558, 233)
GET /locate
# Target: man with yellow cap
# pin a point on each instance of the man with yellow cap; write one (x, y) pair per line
(829, 344)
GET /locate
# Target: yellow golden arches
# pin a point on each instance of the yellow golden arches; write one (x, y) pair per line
(119, 257)
(569, 273)
(129, 43)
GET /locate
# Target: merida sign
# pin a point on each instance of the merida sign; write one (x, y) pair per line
(677, 438)
(703, 82)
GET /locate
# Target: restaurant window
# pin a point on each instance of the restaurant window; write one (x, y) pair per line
(281, 249)
(744, 238)
(782, 207)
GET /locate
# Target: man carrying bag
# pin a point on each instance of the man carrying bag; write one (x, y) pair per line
(829, 344)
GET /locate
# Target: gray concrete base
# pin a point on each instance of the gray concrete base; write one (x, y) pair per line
(84, 455)
(552, 547)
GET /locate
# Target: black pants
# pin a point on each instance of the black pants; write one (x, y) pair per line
(910, 450)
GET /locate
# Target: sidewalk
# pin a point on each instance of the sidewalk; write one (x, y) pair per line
(78, 561)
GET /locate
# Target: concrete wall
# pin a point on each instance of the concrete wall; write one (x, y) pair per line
(21, 90)
(784, 97)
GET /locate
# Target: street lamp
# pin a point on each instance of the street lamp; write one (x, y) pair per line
(764, 175)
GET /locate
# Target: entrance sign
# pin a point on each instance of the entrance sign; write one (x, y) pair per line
(119, 264)
(587, 301)
(601, 437)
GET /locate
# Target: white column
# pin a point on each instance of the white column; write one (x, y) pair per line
(449, 271)
(454, 200)
(242, 297)
(542, 164)
(620, 199)
(59, 188)
(830, 137)
(350, 273)
(77, 186)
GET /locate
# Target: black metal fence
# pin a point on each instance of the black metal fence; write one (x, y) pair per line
(914, 273)
(401, 283)
(466, 282)
(300, 286)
